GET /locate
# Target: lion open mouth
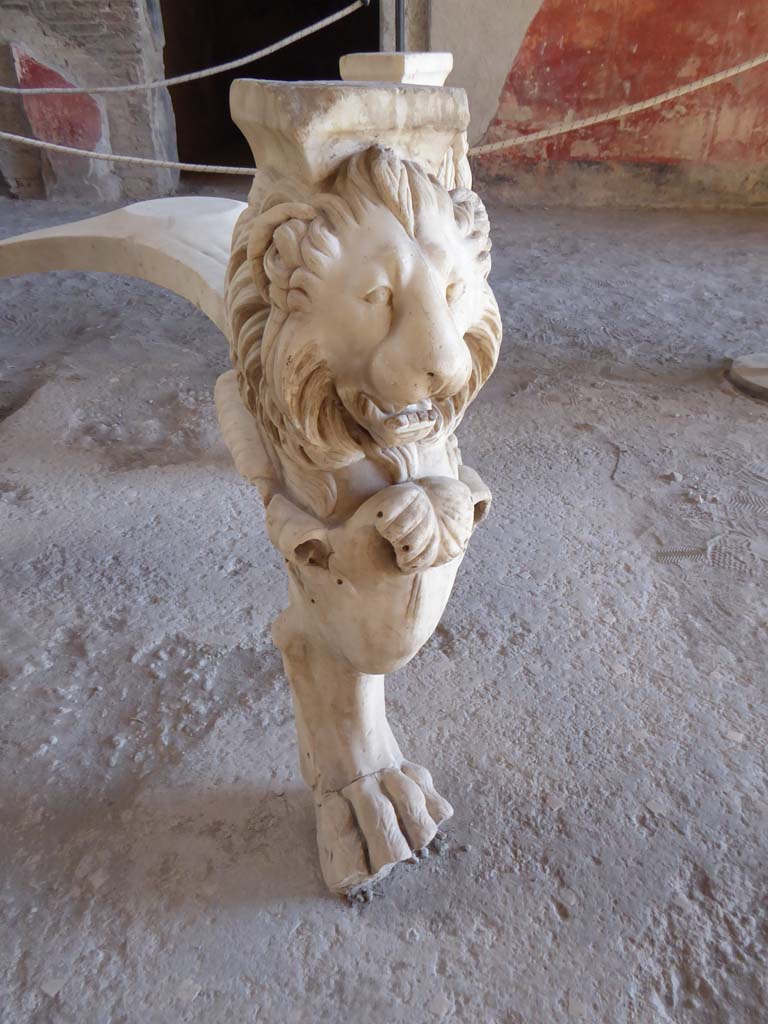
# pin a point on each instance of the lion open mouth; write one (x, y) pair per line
(389, 426)
(401, 420)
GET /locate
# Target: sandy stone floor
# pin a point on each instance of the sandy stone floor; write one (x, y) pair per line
(593, 703)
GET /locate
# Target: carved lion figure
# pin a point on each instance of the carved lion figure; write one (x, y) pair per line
(362, 324)
(361, 327)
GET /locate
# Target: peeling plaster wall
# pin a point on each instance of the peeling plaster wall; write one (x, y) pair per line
(536, 63)
(80, 42)
(20, 167)
(483, 37)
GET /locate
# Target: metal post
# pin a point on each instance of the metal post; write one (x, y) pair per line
(400, 26)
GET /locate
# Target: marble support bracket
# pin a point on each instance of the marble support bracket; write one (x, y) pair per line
(352, 289)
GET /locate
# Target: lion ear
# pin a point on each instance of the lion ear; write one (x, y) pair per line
(263, 230)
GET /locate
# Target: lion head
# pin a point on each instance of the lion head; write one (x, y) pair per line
(362, 323)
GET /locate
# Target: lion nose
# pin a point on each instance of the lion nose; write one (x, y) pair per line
(424, 356)
(450, 365)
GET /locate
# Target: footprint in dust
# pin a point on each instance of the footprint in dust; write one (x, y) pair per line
(732, 554)
(677, 556)
(735, 555)
(755, 475)
(749, 510)
(13, 493)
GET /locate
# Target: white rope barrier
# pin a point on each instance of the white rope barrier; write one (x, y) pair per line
(115, 158)
(624, 111)
(193, 76)
(491, 147)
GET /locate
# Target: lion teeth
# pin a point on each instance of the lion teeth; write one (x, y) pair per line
(417, 415)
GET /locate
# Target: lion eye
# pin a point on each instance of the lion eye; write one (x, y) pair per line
(380, 296)
(454, 291)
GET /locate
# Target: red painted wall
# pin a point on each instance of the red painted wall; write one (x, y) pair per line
(68, 120)
(581, 57)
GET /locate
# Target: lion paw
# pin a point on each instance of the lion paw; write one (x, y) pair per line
(376, 822)
(427, 523)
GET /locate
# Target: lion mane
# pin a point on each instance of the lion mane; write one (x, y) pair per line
(282, 377)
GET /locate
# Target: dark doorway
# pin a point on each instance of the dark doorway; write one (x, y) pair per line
(199, 34)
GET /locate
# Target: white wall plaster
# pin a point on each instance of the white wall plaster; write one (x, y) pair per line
(484, 37)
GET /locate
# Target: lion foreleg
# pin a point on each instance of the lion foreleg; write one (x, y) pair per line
(374, 808)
